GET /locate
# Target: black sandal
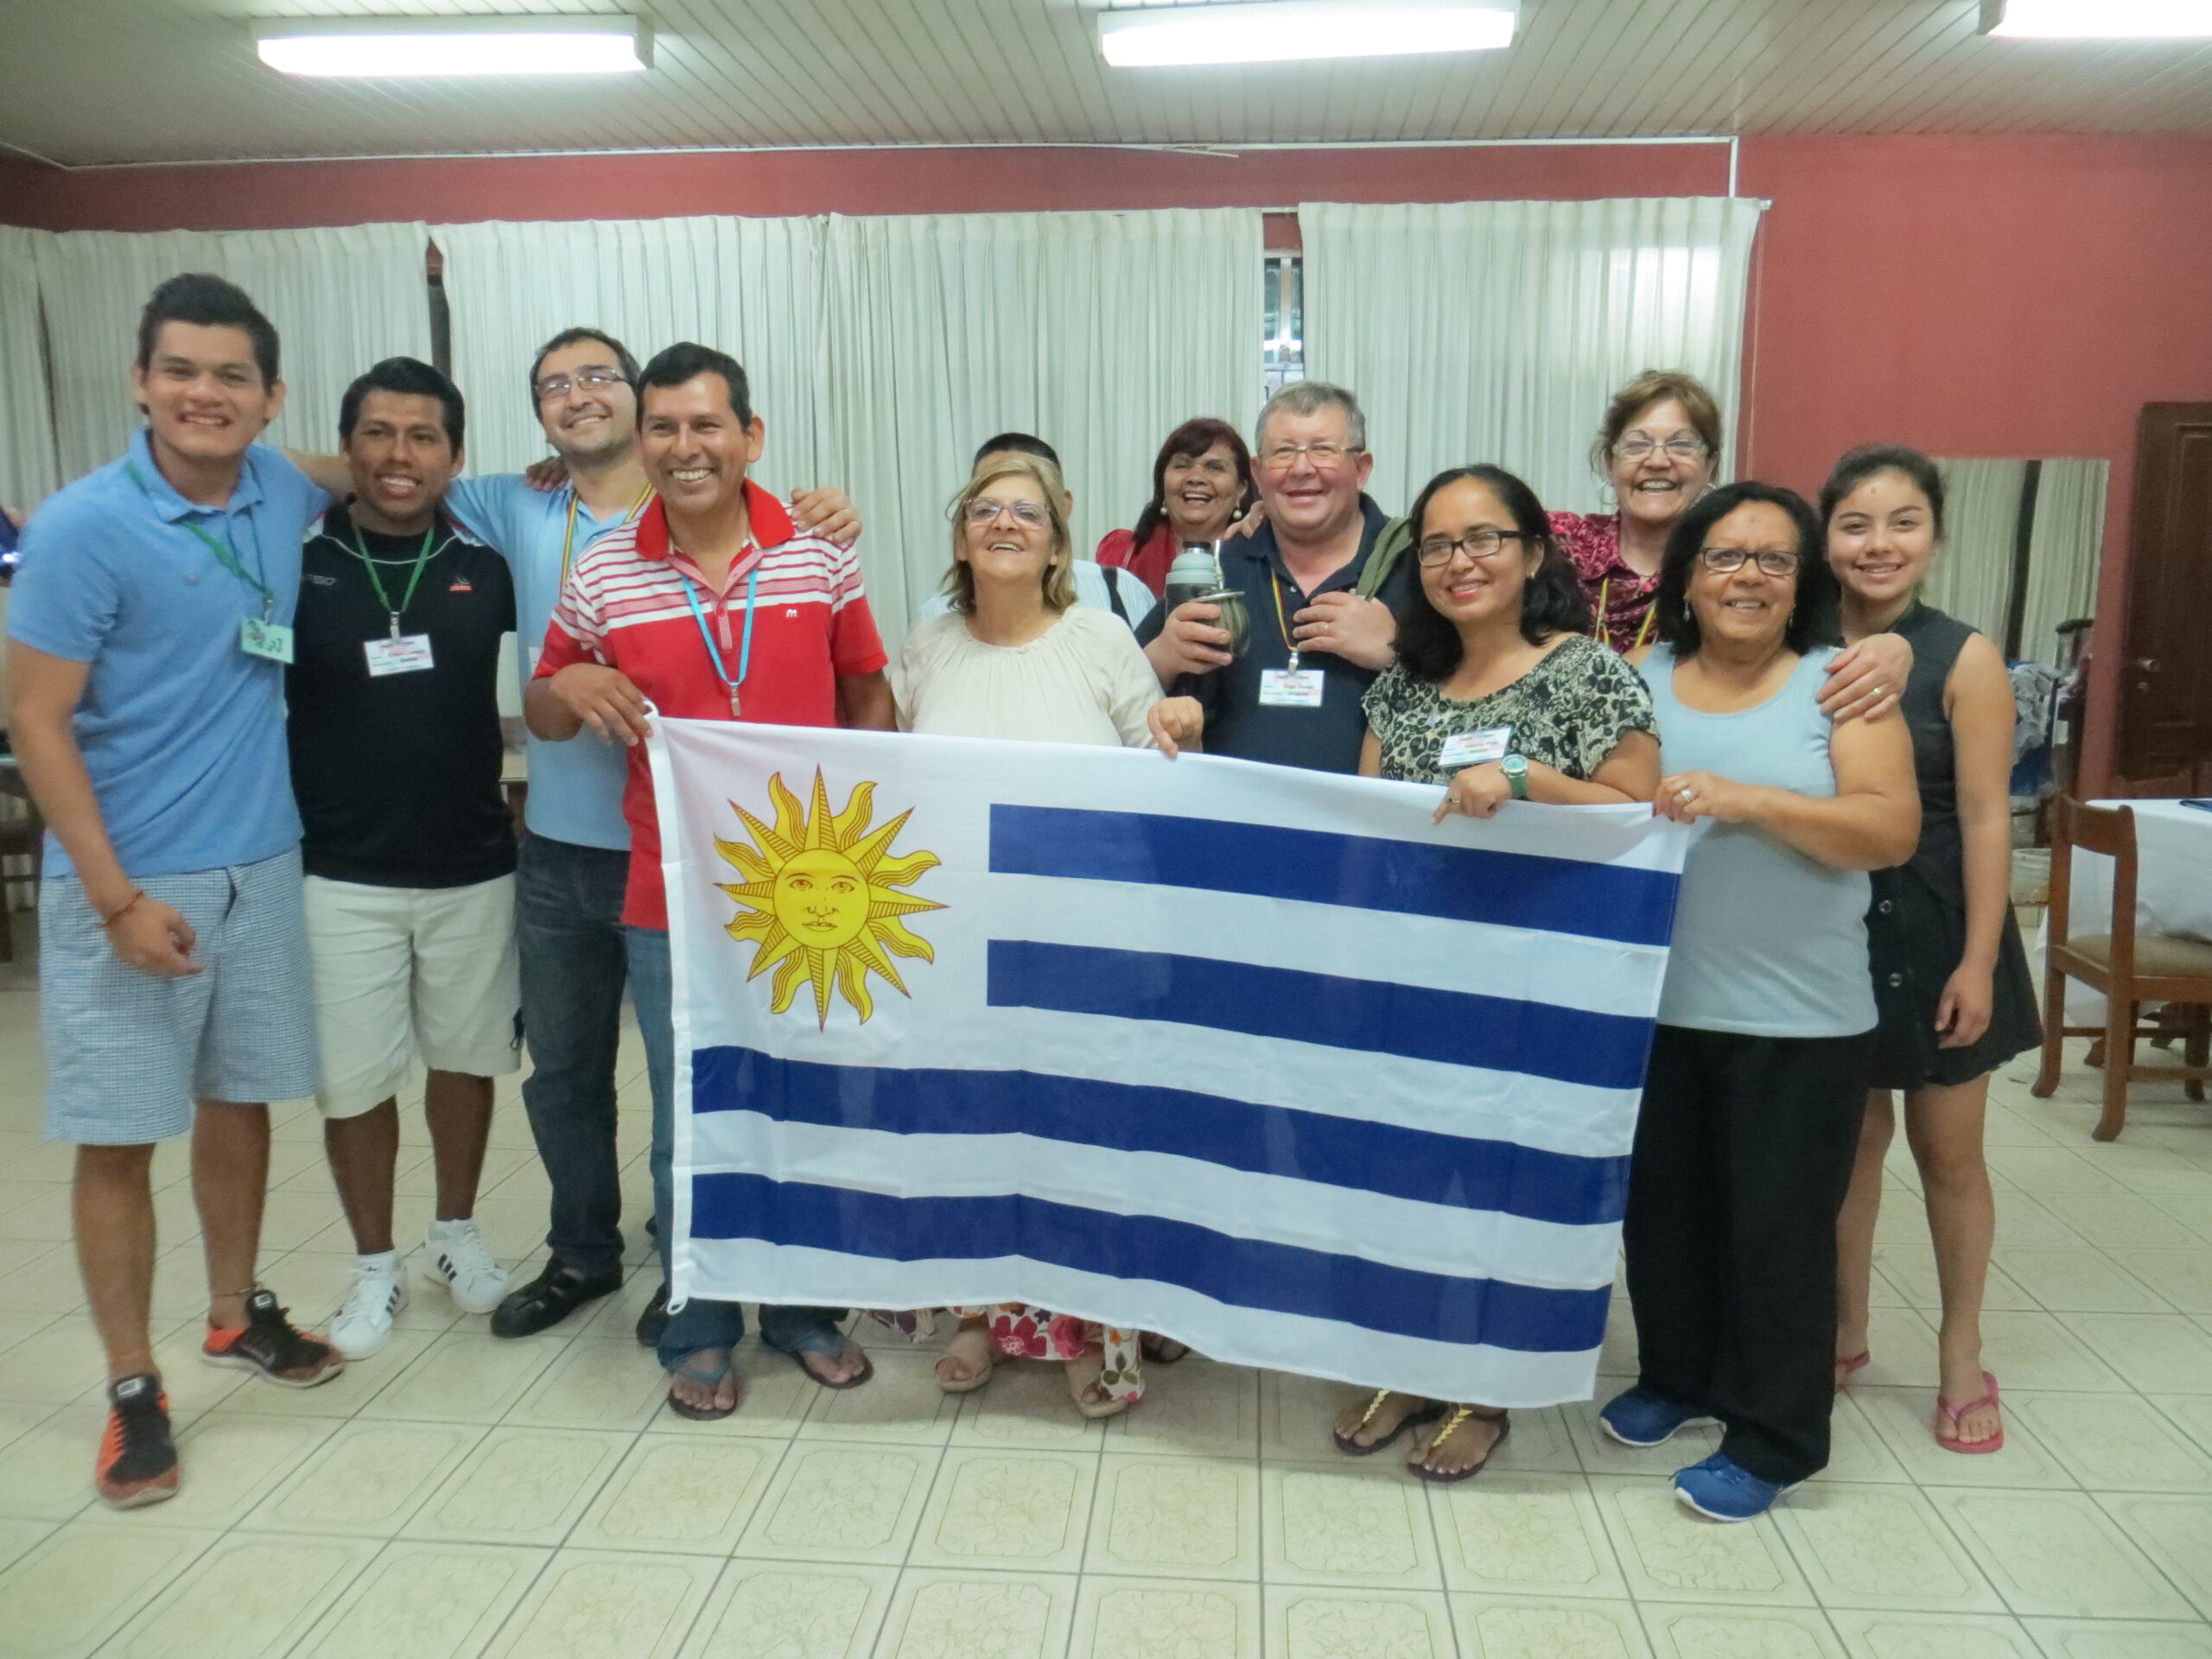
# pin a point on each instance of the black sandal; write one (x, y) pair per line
(1461, 1415)
(690, 1412)
(1410, 1421)
(825, 1339)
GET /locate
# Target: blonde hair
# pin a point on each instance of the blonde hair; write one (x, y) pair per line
(1657, 386)
(1059, 554)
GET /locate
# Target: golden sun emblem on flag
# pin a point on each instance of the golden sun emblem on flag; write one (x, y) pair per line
(819, 897)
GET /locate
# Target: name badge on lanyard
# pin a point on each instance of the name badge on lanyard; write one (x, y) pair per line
(271, 641)
(1473, 748)
(1291, 688)
(406, 653)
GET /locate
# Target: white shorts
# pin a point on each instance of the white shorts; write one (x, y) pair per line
(406, 971)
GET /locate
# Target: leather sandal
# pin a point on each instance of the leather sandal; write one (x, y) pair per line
(1427, 1412)
(1460, 1417)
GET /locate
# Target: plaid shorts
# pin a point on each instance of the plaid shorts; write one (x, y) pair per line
(129, 1055)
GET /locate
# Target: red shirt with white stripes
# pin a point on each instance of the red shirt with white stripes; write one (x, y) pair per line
(623, 607)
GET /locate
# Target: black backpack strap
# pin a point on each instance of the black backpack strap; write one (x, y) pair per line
(1114, 594)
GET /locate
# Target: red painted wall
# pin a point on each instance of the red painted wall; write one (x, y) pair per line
(1981, 296)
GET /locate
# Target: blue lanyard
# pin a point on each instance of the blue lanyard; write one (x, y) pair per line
(714, 656)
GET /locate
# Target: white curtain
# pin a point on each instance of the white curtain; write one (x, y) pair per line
(1971, 577)
(1100, 333)
(1496, 331)
(27, 468)
(750, 287)
(2065, 550)
(340, 299)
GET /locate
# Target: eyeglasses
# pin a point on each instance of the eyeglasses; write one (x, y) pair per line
(1325, 457)
(1030, 515)
(1691, 450)
(1725, 560)
(560, 385)
(1481, 544)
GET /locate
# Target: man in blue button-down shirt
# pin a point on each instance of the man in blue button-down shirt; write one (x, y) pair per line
(148, 628)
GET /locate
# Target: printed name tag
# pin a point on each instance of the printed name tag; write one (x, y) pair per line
(409, 654)
(272, 640)
(1291, 688)
(1473, 748)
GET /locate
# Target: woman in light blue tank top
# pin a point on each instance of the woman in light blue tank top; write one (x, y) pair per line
(1752, 1100)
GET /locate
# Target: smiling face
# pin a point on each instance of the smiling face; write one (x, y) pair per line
(821, 897)
(1656, 488)
(584, 422)
(1745, 606)
(1311, 499)
(1881, 538)
(694, 448)
(1013, 549)
(1463, 588)
(1201, 493)
(400, 457)
(203, 393)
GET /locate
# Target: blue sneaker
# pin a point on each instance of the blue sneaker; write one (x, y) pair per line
(1641, 1418)
(1721, 1490)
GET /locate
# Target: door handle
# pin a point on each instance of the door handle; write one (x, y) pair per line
(2146, 665)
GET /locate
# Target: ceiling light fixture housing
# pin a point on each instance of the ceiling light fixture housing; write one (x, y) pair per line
(2097, 19)
(380, 47)
(1281, 31)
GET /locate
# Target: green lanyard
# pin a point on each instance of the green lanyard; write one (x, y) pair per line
(422, 563)
(227, 559)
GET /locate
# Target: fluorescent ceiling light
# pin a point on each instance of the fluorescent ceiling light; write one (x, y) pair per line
(1288, 29)
(379, 47)
(2098, 20)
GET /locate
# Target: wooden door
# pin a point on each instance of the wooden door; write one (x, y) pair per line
(2165, 672)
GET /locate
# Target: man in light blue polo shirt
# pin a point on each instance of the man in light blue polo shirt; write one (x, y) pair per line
(149, 627)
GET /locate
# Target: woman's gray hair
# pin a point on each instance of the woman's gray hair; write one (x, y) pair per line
(1311, 398)
(1059, 553)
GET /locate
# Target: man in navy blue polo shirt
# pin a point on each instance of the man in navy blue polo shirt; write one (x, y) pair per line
(149, 630)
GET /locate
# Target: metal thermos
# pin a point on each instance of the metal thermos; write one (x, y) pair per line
(1197, 570)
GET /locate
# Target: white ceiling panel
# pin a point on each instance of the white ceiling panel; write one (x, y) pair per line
(94, 81)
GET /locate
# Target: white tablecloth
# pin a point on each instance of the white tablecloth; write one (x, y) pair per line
(2173, 887)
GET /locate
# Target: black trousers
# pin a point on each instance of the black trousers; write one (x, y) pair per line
(1744, 1152)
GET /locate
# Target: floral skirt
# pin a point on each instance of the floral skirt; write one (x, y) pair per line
(1018, 1330)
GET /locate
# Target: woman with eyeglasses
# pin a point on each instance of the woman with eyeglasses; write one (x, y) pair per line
(1017, 657)
(1758, 1078)
(1201, 486)
(1497, 693)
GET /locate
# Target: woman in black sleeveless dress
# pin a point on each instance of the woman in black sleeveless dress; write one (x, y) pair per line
(1951, 979)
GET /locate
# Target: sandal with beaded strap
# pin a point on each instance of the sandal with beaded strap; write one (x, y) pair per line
(1427, 1412)
(1460, 1417)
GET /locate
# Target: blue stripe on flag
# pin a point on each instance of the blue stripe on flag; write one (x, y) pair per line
(1351, 1153)
(1242, 1272)
(1463, 884)
(1541, 1039)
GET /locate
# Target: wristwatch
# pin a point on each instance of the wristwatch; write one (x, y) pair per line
(1516, 768)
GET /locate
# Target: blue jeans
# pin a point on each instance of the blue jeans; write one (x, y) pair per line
(568, 933)
(699, 1323)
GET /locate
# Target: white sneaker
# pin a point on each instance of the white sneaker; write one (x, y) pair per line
(457, 1256)
(363, 1325)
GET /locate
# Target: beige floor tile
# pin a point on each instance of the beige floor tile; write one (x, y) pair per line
(524, 1487)
(46, 1472)
(62, 1364)
(1901, 1346)
(2191, 1413)
(2113, 1442)
(367, 1480)
(2042, 1170)
(424, 1601)
(1181, 1517)
(231, 1463)
(614, 1385)
(774, 1609)
(589, 1605)
(2067, 1638)
(465, 1376)
(70, 1593)
(2187, 1209)
(1194, 1406)
(34, 1210)
(1914, 1278)
(935, 1614)
(1524, 1535)
(17, 1537)
(2041, 1350)
(2081, 1282)
(1166, 1619)
(1739, 1633)
(902, 1404)
(2024, 1222)
(1670, 1554)
(1905, 1420)
(2183, 1277)
(1877, 1547)
(2156, 1353)
(18, 1328)
(1515, 1627)
(316, 1282)
(1309, 1622)
(2058, 1555)
(15, 1421)
(1026, 1511)
(1857, 1454)
(831, 1501)
(1028, 1406)
(2117, 1220)
(1296, 1411)
(1930, 1635)
(1601, 1454)
(1347, 1522)
(691, 1495)
(344, 1394)
(249, 1597)
(46, 1282)
(2176, 1531)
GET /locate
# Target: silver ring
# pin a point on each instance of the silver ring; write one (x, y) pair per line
(1686, 795)
(1881, 690)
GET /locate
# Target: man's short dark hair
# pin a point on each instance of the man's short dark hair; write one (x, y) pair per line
(410, 376)
(568, 336)
(208, 301)
(1813, 613)
(688, 361)
(1018, 443)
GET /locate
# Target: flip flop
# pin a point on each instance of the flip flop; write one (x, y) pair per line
(1410, 1421)
(1460, 1415)
(1951, 1442)
(685, 1409)
(825, 1339)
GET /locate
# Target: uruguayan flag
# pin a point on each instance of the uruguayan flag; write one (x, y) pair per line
(1255, 1057)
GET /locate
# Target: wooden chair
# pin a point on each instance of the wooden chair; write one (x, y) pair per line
(2130, 969)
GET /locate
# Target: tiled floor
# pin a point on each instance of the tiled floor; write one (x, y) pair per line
(459, 1496)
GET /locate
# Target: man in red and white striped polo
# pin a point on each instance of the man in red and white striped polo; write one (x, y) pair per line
(712, 606)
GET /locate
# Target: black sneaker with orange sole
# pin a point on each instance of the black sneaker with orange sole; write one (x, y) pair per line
(271, 1345)
(137, 1462)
